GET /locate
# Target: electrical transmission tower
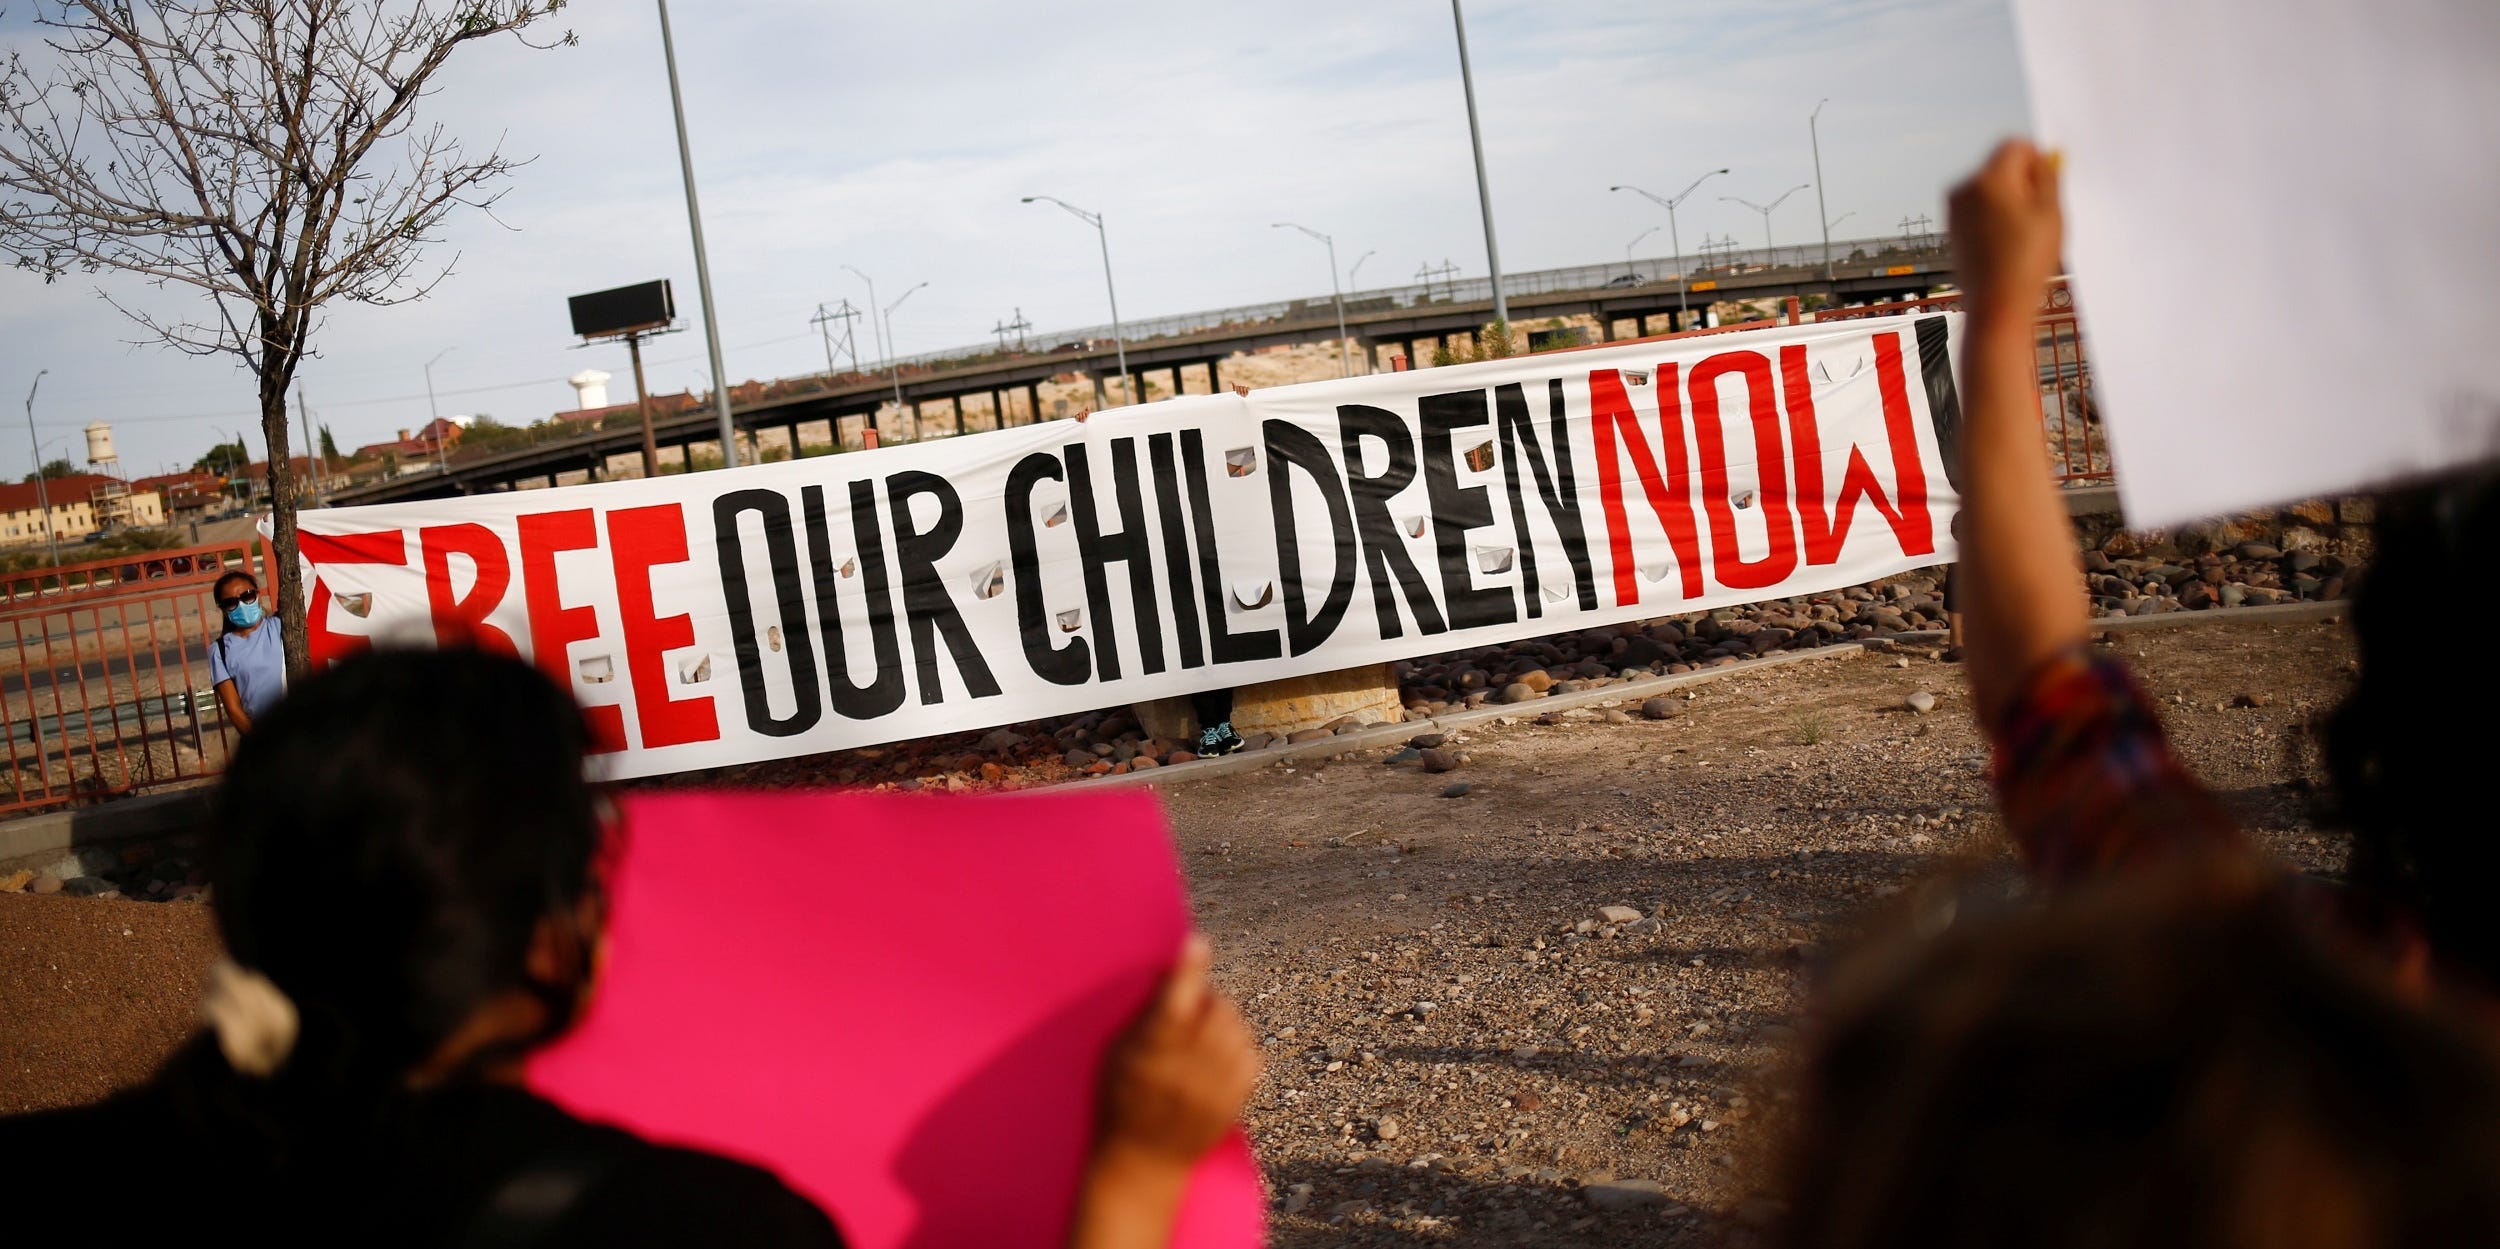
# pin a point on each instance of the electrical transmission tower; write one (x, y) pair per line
(1016, 327)
(823, 321)
(1444, 271)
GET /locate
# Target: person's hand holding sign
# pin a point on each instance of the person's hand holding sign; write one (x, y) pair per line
(2008, 230)
(1171, 1088)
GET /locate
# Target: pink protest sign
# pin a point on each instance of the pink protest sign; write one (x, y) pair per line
(898, 1003)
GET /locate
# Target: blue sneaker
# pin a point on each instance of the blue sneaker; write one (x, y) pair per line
(1219, 739)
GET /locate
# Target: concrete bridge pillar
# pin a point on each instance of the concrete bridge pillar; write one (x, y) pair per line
(1033, 403)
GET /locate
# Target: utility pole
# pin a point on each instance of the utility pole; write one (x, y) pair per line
(1821, 209)
(43, 492)
(313, 461)
(435, 427)
(702, 266)
(1484, 189)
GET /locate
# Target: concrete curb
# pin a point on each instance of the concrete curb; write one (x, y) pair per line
(1394, 734)
(1649, 687)
(80, 840)
(2280, 613)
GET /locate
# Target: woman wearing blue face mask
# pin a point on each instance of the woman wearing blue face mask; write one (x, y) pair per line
(246, 664)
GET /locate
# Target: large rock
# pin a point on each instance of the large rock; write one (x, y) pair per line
(1618, 1195)
(1283, 707)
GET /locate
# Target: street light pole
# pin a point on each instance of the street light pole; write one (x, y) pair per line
(1815, 137)
(894, 361)
(702, 265)
(1683, 307)
(1765, 209)
(1353, 282)
(1484, 188)
(1119, 337)
(43, 492)
(1345, 360)
(1627, 248)
(874, 327)
(430, 410)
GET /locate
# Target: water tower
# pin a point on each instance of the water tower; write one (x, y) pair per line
(592, 387)
(112, 495)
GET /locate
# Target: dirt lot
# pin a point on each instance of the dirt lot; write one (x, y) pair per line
(1450, 1063)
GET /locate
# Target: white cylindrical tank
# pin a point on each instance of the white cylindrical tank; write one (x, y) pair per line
(592, 386)
(100, 443)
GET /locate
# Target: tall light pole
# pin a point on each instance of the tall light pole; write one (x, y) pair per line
(1353, 275)
(1345, 360)
(894, 360)
(702, 265)
(1627, 248)
(1119, 337)
(1815, 137)
(1682, 308)
(43, 493)
(430, 410)
(1765, 209)
(1484, 188)
(875, 327)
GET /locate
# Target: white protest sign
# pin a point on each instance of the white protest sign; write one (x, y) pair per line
(2281, 219)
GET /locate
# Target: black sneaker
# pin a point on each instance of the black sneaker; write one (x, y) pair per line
(1218, 740)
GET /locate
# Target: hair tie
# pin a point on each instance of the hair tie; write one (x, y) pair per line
(255, 1022)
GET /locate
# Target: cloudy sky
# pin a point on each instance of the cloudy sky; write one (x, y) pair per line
(899, 138)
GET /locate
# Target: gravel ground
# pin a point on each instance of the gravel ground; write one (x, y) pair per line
(1464, 1048)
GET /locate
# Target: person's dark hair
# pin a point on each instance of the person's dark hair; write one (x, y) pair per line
(2406, 759)
(389, 840)
(231, 576)
(2169, 1062)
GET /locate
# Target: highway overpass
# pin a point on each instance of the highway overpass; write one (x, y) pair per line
(1625, 300)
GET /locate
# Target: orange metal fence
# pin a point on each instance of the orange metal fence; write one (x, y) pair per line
(2069, 418)
(104, 685)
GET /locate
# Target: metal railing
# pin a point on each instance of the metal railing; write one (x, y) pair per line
(1852, 256)
(2070, 417)
(104, 685)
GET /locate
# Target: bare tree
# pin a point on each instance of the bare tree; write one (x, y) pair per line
(264, 153)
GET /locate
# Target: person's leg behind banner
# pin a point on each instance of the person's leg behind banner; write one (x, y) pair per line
(1214, 711)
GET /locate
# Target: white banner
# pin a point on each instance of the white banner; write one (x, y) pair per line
(1196, 543)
